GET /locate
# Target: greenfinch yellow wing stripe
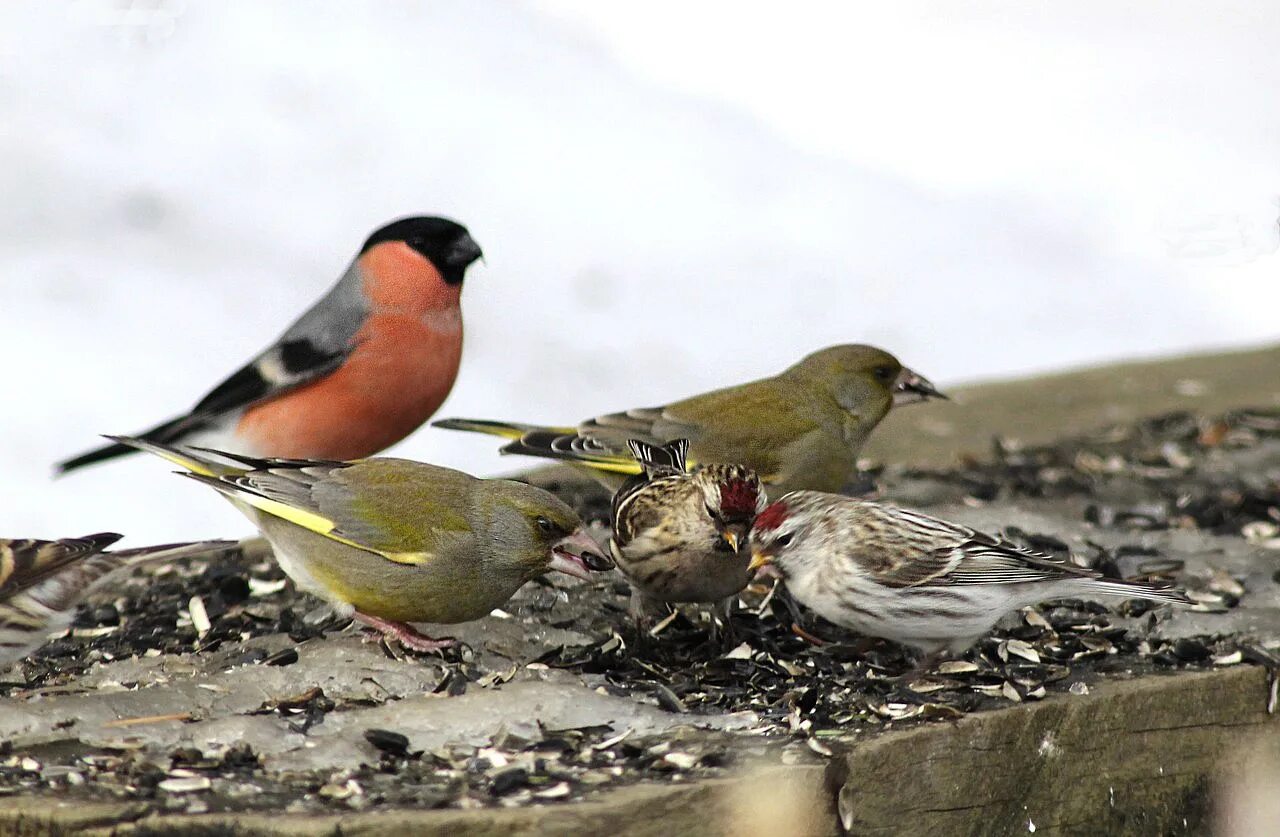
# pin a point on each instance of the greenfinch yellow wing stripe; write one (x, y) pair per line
(308, 520)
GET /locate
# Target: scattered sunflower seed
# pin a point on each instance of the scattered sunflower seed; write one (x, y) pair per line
(185, 784)
(199, 615)
(260, 588)
(957, 667)
(683, 761)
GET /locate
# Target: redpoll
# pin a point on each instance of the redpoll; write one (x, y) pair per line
(680, 536)
(41, 582)
(902, 575)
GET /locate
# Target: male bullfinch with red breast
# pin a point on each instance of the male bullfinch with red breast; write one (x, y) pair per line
(357, 372)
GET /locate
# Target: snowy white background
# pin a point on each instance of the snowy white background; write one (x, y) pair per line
(670, 195)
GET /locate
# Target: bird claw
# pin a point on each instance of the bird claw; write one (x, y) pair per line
(806, 636)
(425, 644)
(405, 634)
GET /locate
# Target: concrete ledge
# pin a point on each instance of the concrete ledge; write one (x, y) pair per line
(1133, 757)
(773, 801)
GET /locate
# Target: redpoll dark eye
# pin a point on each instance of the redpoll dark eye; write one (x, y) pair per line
(710, 511)
(784, 540)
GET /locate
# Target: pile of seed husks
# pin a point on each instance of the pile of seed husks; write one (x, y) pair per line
(1169, 459)
(808, 682)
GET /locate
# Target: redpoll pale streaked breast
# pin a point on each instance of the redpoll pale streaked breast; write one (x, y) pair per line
(801, 428)
(902, 575)
(41, 582)
(680, 536)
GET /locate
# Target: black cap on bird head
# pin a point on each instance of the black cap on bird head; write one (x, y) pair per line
(445, 243)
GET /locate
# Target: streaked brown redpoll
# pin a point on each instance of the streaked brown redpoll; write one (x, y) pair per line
(902, 575)
(680, 536)
(41, 582)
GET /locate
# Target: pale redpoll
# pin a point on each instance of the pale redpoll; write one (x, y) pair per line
(801, 428)
(894, 573)
(679, 535)
(41, 582)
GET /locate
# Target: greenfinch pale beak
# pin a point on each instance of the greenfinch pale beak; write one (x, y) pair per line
(911, 387)
(578, 555)
(730, 538)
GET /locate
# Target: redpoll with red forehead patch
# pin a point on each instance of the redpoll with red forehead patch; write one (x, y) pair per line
(894, 573)
(679, 536)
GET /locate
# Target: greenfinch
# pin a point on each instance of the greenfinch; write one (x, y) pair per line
(390, 541)
(41, 582)
(800, 429)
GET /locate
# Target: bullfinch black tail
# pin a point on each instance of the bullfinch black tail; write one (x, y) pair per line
(169, 431)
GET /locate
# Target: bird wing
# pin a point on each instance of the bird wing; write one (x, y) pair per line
(603, 442)
(643, 502)
(25, 563)
(753, 423)
(904, 548)
(314, 346)
(740, 433)
(664, 473)
(318, 343)
(661, 460)
(378, 505)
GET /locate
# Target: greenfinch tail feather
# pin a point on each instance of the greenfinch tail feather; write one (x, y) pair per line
(196, 460)
(572, 447)
(503, 429)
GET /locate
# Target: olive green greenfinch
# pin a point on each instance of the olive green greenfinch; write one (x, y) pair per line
(802, 428)
(391, 541)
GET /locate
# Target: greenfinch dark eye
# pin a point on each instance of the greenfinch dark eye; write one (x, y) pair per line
(545, 524)
(884, 373)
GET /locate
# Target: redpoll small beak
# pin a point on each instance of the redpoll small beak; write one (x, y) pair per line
(758, 561)
(763, 567)
(578, 555)
(731, 538)
(911, 388)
